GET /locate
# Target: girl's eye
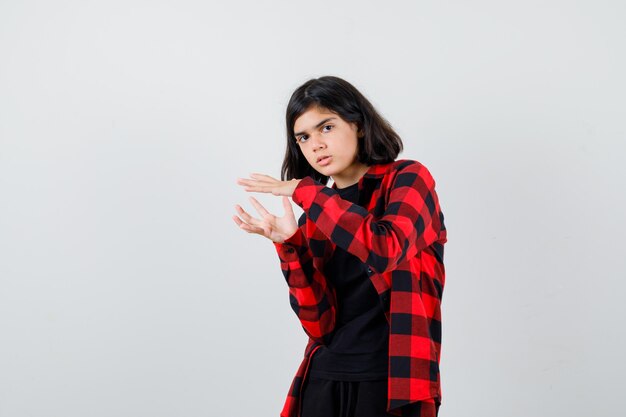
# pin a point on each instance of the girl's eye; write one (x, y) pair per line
(329, 128)
(302, 139)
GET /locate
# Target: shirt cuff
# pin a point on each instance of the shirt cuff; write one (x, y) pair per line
(286, 253)
(305, 192)
(292, 248)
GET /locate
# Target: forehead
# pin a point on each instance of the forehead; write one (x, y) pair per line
(311, 117)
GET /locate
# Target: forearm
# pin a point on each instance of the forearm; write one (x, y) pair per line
(411, 220)
(310, 296)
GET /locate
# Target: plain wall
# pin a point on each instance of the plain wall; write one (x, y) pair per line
(127, 290)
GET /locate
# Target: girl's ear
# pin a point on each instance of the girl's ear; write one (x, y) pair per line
(359, 131)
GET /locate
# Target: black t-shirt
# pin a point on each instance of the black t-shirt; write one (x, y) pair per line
(358, 348)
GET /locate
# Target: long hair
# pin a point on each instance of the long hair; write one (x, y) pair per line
(380, 143)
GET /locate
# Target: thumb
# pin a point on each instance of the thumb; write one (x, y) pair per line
(287, 206)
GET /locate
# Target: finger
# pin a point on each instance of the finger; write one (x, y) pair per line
(263, 177)
(249, 228)
(256, 186)
(246, 217)
(259, 207)
(238, 221)
(253, 229)
(249, 182)
(258, 179)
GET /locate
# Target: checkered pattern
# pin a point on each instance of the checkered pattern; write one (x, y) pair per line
(397, 229)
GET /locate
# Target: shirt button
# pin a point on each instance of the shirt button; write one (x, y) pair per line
(369, 271)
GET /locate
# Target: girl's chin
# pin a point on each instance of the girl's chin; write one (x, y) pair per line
(327, 172)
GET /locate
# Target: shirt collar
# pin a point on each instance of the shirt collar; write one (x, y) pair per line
(373, 172)
(377, 170)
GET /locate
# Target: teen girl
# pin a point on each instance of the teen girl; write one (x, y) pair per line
(364, 263)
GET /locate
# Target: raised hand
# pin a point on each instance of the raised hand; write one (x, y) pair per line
(262, 183)
(277, 229)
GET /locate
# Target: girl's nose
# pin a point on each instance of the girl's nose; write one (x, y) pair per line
(317, 142)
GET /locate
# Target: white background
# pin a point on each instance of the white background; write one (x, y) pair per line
(127, 290)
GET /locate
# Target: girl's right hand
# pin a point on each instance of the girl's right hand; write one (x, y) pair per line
(277, 229)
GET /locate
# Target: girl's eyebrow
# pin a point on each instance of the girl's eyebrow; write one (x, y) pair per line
(316, 126)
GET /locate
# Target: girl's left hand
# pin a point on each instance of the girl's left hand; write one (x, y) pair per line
(262, 183)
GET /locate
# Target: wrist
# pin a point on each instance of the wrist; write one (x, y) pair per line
(295, 183)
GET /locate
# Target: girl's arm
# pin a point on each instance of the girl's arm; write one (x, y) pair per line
(310, 296)
(411, 222)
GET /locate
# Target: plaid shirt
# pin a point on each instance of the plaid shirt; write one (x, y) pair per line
(398, 231)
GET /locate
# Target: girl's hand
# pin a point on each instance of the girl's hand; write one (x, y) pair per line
(265, 184)
(277, 229)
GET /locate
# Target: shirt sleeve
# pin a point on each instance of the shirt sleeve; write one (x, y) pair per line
(410, 223)
(310, 296)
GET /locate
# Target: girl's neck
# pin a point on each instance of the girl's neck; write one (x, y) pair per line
(350, 176)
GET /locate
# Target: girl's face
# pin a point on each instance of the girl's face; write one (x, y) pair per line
(330, 145)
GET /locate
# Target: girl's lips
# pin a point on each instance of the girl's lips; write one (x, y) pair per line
(325, 161)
